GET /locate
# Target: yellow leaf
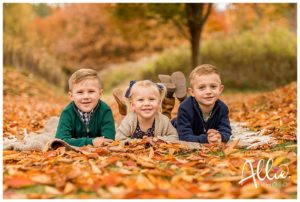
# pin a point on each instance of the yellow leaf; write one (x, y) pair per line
(142, 183)
(42, 178)
(151, 153)
(52, 190)
(278, 160)
(145, 161)
(95, 169)
(294, 178)
(249, 191)
(69, 188)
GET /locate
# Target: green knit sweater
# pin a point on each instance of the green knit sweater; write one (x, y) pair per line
(72, 130)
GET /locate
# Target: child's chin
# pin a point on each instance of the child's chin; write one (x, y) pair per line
(85, 109)
(148, 115)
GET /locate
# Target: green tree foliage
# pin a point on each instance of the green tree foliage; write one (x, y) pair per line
(17, 20)
(256, 59)
(42, 9)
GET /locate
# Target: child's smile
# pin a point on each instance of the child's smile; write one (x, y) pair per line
(206, 89)
(146, 103)
(86, 94)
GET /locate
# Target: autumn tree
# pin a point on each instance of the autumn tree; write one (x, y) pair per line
(251, 15)
(189, 18)
(197, 15)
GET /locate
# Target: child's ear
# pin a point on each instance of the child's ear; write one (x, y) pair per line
(101, 92)
(70, 95)
(221, 88)
(191, 92)
(131, 106)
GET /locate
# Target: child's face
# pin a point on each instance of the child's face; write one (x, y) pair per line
(206, 89)
(145, 102)
(86, 94)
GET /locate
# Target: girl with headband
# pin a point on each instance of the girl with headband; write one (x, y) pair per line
(144, 99)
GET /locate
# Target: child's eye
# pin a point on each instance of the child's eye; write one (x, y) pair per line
(213, 87)
(201, 88)
(140, 100)
(91, 91)
(80, 92)
(152, 99)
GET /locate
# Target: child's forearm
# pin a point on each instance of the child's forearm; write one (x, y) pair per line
(79, 142)
(194, 138)
(120, 135)
(225, 137)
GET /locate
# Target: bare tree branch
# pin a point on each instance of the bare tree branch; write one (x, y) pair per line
(207, 13)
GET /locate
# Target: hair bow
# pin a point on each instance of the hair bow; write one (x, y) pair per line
(160, 86)
(132, 82)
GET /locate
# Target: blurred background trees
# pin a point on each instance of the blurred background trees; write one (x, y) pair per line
(254, 45)
(188, 18)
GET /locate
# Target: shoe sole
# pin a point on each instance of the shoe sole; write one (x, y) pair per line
(167, 81)
(179, 80)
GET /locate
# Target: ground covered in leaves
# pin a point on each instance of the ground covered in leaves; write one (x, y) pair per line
(149, 168)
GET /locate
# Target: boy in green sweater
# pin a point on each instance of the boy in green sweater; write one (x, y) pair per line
(87, 119)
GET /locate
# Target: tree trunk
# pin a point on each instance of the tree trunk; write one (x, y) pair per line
(195, 44)
(196, 17)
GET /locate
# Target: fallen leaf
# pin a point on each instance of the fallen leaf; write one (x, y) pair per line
(19, 181)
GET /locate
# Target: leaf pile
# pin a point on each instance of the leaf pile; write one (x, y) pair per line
(146, 168)
(275, 111)
(27, 103)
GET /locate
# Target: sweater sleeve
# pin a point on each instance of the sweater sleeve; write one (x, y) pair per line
(123, 131)
(185, 129)
(108, 125)
(170, 133)
(224, 126)
(64, 131)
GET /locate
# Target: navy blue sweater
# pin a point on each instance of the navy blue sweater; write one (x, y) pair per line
(191, 126)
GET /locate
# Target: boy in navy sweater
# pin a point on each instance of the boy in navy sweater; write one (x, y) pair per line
(202, 117)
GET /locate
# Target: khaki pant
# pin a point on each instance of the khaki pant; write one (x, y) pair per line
(167, 106)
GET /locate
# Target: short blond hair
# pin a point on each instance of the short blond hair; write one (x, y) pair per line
(81, 75)
(203, 69)
(161, 89)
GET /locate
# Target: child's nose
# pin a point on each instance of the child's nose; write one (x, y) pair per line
(86, 95)
(208, 90)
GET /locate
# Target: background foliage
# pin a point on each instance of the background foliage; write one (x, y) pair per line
(254, 45)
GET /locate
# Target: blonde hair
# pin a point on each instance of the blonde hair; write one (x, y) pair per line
(203, 70)
(81, 75)
(161, 89)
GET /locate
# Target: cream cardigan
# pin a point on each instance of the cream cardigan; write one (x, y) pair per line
(163, 127)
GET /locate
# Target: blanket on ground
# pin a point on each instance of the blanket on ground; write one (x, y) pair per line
(44, 140)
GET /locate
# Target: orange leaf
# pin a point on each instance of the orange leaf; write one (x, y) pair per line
(19, 181)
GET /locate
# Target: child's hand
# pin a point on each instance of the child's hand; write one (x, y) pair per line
(212, 131)
(213, 136)
(99, 141)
